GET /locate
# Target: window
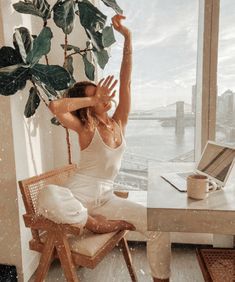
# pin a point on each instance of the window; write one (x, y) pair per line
(225, 115)
(162, 121)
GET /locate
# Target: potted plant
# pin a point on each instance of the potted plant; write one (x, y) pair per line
(21, 63)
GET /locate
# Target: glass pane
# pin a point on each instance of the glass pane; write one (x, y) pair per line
(225, 121)
(162, 121)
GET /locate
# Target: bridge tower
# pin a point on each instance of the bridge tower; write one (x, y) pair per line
(179, 121)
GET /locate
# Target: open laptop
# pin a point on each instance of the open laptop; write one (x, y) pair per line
(216, 162)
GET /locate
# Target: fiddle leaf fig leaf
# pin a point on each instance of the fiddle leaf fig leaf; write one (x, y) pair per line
(102, 57)
(55, 121)
(12, 68)
(89, 68)
(97, 39)
(64, 15)
(108, 36)
(88, 44)
(90, 17)
(53, 76)
(48, 90)
(39, 8)
(41, 46)
(32, 103)
(22, 41)
(9, 57)
(68, 65)
(13, 74)
(71, 47)
(11, 82)
(113, 4)
(94, 23)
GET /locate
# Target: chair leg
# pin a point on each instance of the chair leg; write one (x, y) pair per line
(64, 253)
(127, 256)
(46, 258)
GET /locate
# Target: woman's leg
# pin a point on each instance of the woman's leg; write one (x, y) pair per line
(158, 243)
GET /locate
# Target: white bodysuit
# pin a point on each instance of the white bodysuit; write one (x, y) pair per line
(93, 186)
(99, 165)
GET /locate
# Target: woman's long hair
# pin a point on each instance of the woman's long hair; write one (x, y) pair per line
(84, 114)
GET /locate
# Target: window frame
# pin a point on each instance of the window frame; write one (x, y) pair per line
(206, 73)
(206, 85)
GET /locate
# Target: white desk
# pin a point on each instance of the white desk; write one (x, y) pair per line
(172, 211)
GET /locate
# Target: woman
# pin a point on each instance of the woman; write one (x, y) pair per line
(102, 144)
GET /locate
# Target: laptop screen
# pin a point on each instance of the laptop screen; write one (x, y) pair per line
(216, 161)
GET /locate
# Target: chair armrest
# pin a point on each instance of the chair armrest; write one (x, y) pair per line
(40, 222)
(121, 194)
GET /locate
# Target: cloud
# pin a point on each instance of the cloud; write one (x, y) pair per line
(227, 34)
(165, 50)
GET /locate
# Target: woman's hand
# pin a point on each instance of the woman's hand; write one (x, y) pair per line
(105, 90)
(99, 224)
(116, 20)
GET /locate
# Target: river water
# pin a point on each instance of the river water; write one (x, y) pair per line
(147, 138)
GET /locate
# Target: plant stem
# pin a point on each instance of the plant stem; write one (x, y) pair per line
(68, 145)
(46, 57)
(65, 47)
(81, 51)
(47, 61)
(86, 50)
(66, 129)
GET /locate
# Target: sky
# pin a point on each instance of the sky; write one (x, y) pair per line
(165, 50)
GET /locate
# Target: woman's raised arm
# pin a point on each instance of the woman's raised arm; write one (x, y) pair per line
(65, 105)
(63, 108)
(123, 109)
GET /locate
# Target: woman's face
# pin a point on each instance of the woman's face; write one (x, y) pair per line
(100, 107)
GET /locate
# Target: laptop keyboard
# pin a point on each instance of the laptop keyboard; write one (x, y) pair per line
(184, 175)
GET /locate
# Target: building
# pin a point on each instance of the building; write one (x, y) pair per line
(226, 108)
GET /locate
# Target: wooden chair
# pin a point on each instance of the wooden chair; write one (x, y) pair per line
(64, 241)
(217, 264)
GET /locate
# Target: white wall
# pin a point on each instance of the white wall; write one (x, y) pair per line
(28, 146)
(33, 154)
(10, 245)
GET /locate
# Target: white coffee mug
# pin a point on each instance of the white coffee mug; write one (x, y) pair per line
(198, 186)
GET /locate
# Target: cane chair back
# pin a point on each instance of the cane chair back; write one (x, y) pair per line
(30, 188)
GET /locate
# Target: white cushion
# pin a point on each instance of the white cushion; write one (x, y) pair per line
(88, 243)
